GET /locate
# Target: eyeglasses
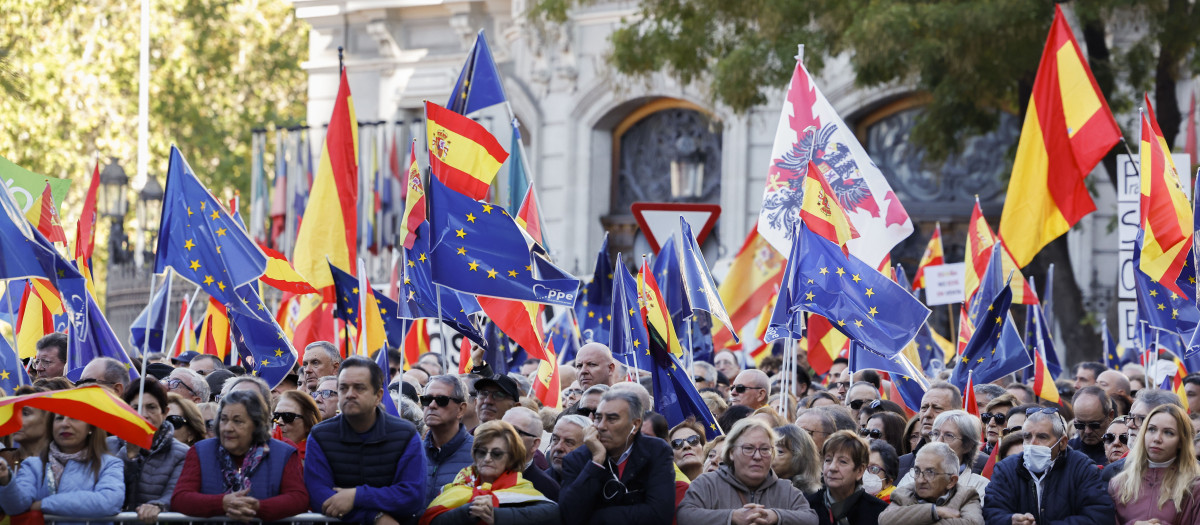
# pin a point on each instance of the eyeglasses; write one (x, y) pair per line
(857, 404)
(496, 454)
(585, 412)
(177, 421)
(1010, 430)
(876, 470)
(1094, 425)
(324, 394)
(1110, 437)
(526, 434)
(998, 418)
(699, 379)
(442, 401)
(943, 437)
(286, 417)
(1135, 420)
(741, 389)
(495, 395)
(749, 450)
(173, 383)
(691, 441)
(873, 433)
(926, 474)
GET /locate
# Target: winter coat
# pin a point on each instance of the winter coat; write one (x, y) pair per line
(79, 493)
(1072, 492)
(864, 511)
(1146, 506)
(712, 497)
(533, 513)
(151, 479)
(908, 509)
(441, 465)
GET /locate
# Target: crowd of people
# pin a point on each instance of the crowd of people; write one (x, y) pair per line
(479, 447)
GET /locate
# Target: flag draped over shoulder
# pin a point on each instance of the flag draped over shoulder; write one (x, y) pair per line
(329, 230)
(1068, 129)
(810, 130)
(1166, 215)
(462, 154)
(756, 272)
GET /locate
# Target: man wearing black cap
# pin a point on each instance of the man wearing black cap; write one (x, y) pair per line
(494, 396)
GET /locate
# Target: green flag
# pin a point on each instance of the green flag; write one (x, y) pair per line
(26, 185)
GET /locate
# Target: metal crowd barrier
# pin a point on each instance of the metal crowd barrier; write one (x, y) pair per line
(175, 517)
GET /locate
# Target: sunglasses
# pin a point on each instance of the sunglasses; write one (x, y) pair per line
(741, 389)
(873, 433)
(1010, 430)
(286, 417)
(177, 421)
(442, 401)
(585, 412)
(691, 441)
(1094, 425)
(496, 454)
(999, 418)
(1109, 438)
(839, 384)
(699, 379)
(524, 433)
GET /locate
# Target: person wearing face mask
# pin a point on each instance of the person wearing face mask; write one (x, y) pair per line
(1047, 482)
(1161, 481)
(745, 489)
(880, 478)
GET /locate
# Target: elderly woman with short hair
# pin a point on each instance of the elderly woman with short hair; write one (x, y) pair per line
(295, 415)
(936, 496)
(745, 489)
(960, 431)
(242, 473)
(842, 500)
(687, 441)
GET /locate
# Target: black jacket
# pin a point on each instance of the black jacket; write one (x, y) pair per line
(1072, 493)
(648, 478)
(865, 511)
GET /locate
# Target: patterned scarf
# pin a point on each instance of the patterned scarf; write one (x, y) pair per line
(238, 478)
(58, 462)
(510, 488)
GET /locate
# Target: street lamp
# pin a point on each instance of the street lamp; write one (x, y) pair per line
(149, 213)
(114, 204)
(687, 170)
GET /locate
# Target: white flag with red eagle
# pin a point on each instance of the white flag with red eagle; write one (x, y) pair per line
(810, 129)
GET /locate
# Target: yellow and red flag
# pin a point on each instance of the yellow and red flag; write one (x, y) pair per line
(821, 211)
(43, 216)
(92, 404)
(756, 272)
(1068, 129)
(934, 255)
(969, 401)
(464, 356)
(519, 320)
(34, 321)
(1166, 215)
(414, 200)
(528, 216)
(1043, 382)
(214, 330)
(980, 240)
(416, 342)
(546, 386)
(281, 276)
(372, 335)
(462, 154)
(85, 233)
(825, 343)
(655, 313)
(329, 231)
(187, 332)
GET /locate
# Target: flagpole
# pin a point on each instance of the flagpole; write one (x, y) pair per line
(16, 316)
(187, 314)
(146, 339)
(442, 327)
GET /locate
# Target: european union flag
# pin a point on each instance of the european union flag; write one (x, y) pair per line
(381, 359)
(24, 251)
(90, 336)
(346, 287)
(500, 351)
(1037, 335)
(858, 300)
(202, 242)
(676, 397)
(629, 340)
(477, 248)
(12, 373)
(1158, 306)
(148, 328)
(933, 360)
(419, 296)
(697, 336)
(595, 300)
(261, 343)
(909, 381)
(995, 349)
(669, 276)
(478, 84)
(1115, 356)
(699, 287)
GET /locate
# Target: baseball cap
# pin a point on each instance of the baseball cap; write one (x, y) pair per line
(502, 382)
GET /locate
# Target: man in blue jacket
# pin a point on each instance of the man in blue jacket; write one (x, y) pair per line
(364, 465)
(448, 444)
(1048, 483)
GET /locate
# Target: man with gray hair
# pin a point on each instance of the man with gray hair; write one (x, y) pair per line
(326, 397)
(705, 375)
(447, 444)
(188, 384)
(321, 359)
(1093, 413)
(106, 372)
(936, 493)
(818, 424)
(529, 426)
(567, 436)
(619, 476)
(1147, 399)
(751, 388)
(1047, 482)
(589, 401)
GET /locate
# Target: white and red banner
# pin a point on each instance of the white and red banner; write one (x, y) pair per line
(810, 129)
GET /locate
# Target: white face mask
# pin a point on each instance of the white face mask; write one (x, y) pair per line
(872, 484)
(1037, 457)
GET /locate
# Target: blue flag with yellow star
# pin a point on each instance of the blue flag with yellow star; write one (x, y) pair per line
(261, 343)
(629, 340)
(346, 288)
(595, 300)
(1037, 335)
(933, 359)
(418, 294)
(698, 284)
(909, 380)
(669, 276)
(477, 248)
(676, 397)
(12, 373)
(1115, 355)
(1160, 307)
(858, 300)
(381, 359)
(25, 252)
(995, 349)
(202, 242)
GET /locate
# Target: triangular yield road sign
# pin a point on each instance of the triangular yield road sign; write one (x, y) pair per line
(660, 220)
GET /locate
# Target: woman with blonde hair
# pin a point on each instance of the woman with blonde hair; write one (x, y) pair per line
(1161, 475)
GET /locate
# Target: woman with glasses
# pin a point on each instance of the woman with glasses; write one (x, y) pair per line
(243, 474)
(74, 475)
(797, 459)
(295, 415)
(492, 489)
(883, 468)
(912, 434)
(886, 426)
(185, 418)
(1116, 440)
(745, 489)
(150, 475)
(687, 440)
(1161, 479)
(994, 417)
(960, 431)
(842, 500)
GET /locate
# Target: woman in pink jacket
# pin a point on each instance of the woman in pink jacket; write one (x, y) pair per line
(1161, 480)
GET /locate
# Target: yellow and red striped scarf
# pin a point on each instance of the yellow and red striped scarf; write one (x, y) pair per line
(508, 489)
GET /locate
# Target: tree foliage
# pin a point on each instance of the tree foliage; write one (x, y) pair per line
(219, 68)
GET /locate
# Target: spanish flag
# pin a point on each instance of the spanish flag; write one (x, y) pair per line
(980, 240)
(309, 320)
(462, 154)
(1068, 129)
(329, 230)
(93, 404)
(214, 330)
(1043, 382)
(519, 320)
(821, 211)
(34, 321)
(970, 404)
(43, 216)
(825, 343)
(934, 255)
(281, 276)
(546, 385)
(654, 313)
(530, 218)
(414, 200)
(416, 342)
(755, 274)
(1166, 215)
